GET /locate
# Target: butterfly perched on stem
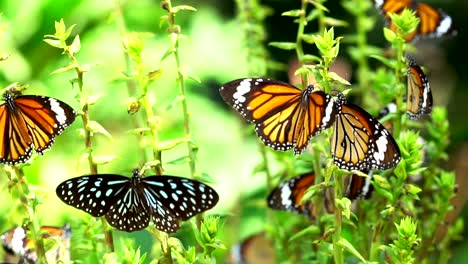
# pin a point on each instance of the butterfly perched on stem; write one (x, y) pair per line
(360, 142)
(128, 204)
(419, 95)
(16, 242)
(285, 117)
(288, 195)
(432, 22)
(30, 122)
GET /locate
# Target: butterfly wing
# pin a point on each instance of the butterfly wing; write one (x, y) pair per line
(319, 115)
(432, 22)
(288, 195)
(174, 198)
(359, 187)
(15, 141)
(45, 117)
(284, 116)
(130, 212)
(360, 142)
(94, 194)
(419, 99)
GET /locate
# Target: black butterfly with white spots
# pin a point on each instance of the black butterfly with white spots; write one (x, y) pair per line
(128, 204)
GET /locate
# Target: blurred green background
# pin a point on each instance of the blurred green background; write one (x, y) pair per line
(215, 53)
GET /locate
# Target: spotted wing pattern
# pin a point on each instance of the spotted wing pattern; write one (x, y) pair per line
(129, 203)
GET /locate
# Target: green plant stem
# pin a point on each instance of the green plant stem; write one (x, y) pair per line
(361, 41)
(300, 33)
(131, 83)
(93, 169)
(338, 193)
(30, 205)
(174, 30)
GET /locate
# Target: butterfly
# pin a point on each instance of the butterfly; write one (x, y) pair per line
(129, 203)
(284, 116)
(360, 142)
(56, 241)
(419, 99)
(30, 122)
(287, 195)
(255, 249)
(432, 22)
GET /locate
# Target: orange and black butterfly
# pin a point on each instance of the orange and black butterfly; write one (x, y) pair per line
(30, 122)
(287, 196)
(419, 98)
(285, 117)
(255, 249)
(360, 142)
(56, 241)
(432, 22)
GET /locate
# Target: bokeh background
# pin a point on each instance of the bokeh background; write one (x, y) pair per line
(227, 151)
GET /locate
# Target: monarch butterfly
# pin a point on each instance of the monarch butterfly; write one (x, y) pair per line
(360, 142)
(284, 116)
(129, 203)
(255, 249)
(30, 121)
(288, 195)
(419, 99)
(432, 22)
(16, 243)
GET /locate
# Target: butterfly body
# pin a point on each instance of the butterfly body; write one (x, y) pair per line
(433, 23)
(360, 142)
(30, 122)
(128, 204)
(285, 117)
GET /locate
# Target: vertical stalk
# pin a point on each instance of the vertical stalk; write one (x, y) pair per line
(30, 206)
(300, 32)
(93, 169)
(338, 193)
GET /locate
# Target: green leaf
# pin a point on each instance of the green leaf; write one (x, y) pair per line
(140, 131)
(153, 75)
(179, 161)
(169, 144)
(93, 99)
(54, 43)
(389, 35)
(311, 230)
(330, 21)
(308, 38)
(174, 102)
(65, 69)
(350, 248)
(283, 45)
(183, 8)
(293, 13)
(97, 128)
(101, 160)
(187, 72)
(168, 53)
(334, 76)
(311, 59)
(76, 45)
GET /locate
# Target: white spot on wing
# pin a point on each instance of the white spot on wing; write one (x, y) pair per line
(58, 110)
(381, 143)
(241, 90)
(286, 196)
